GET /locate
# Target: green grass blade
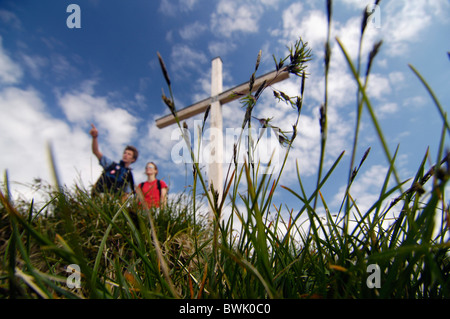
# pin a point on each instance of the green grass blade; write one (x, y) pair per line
(433, 96)
(370, 109)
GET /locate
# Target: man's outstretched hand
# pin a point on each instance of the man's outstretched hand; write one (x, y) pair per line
(95, 148)
(93, 131)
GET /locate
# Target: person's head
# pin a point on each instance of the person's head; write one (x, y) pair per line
(130, 154)
(151, 168)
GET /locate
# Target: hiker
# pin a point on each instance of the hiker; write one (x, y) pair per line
(154, 190)
(117, 177)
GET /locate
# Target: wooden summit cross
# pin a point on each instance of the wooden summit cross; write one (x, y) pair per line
(215, 101)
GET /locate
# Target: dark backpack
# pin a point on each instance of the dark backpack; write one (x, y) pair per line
(158, 183)
(114, 179)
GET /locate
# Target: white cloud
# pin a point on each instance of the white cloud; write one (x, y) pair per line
(171, 8)
(299, 20)
(187, 4)
(8, 17)
(415, 101)
(35, 64)
(116, 126)
(379, 86)
(366, 187)
(221, 48)
(61, 66)
(10, 71)
(192, 31)
(387, 108)
(397, 78)
(356, 4)
(341, 88)
(234, 16)
(184, 57)
(404, 21)
(311, 25)
(26, 128)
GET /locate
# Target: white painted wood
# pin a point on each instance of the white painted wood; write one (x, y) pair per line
(224, 97)
(216, 130)
(215, 169)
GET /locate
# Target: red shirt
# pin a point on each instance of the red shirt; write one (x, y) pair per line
(151, 192)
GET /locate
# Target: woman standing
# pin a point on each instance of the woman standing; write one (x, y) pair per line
(154, 190)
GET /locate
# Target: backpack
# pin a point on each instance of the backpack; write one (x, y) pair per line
(114, 179)
(158, 183)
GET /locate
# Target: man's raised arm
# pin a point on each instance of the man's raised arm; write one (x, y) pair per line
(95, 148)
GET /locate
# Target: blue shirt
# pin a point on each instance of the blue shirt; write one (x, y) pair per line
(105, 162)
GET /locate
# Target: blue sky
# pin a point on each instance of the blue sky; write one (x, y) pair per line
(56, 81)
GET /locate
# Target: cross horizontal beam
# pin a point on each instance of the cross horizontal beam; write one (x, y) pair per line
(224, 97)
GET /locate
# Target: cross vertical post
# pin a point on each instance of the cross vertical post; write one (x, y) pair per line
(216, 131)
